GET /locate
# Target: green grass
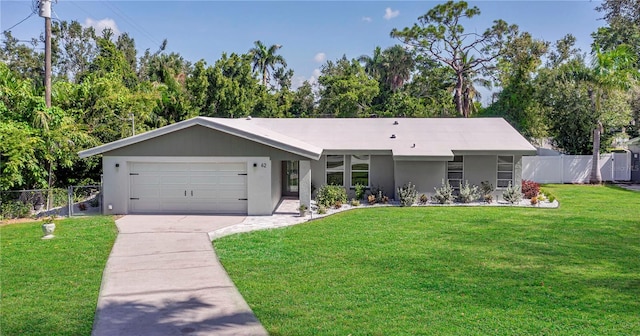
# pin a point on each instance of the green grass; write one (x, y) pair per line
(450, 271)
(51, 287)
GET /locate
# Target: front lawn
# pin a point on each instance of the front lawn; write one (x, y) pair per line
(50, 287)
(449, 270)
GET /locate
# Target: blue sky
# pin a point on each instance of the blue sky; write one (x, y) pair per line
(309, 31)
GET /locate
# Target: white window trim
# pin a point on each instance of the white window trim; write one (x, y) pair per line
(513, 171)
(334, 170)
(461, 179)
(368, 171)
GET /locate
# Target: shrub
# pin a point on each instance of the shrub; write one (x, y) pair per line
(371, 199)
(407, 194)
(15, 209)
(423, 199)
(360, 190)
(468, 193)
(322, 210)
(355, 202)
(550, 197)
(444, 194)
(337, 205)
(530, 189)
(512, 194)
(486, 190)
(379, 193)
(330, 195)
(384, 199)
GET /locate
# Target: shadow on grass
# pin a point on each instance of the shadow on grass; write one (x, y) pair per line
(190, 316)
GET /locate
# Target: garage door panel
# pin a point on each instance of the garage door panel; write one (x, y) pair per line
(189, 188)
(146, 179)
(146, 191)
(181, 180)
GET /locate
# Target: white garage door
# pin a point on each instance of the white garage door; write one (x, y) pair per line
(188, 188)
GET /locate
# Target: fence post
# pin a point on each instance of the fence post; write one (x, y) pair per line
(562, 168)
(70, 200)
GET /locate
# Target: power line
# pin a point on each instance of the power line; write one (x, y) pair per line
(15, 25)
(130, 21)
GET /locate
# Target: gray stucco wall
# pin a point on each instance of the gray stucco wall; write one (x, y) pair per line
(381, 173)
(381, 169)
(425, 175)
(478, 168)
(276, 182)
(317, 174)
(201, 141)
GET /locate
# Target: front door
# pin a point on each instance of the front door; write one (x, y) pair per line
(290, 178)
(635, 167)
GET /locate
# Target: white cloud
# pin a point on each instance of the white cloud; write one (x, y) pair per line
(367, 19)
(100, 25)
(390, 14)
(320, 57)
(297, 81)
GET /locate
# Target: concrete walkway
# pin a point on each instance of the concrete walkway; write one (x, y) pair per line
(163, 278)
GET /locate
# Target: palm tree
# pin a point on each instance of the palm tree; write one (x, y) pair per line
(265, 59)
(611, 70)
(372, 64)
(398, 64)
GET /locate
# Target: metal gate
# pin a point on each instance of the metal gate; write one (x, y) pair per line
(85, 200)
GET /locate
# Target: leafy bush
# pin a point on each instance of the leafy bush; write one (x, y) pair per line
(550, 197)
(354, 202)
(15, 209)
(360, 190)
(444, 194)
(423, 199)
(371, 199)
(512, 194)
(407, 194)
(322, 210)
(378, 191)
(330, 195)
(487, 189)
(468, 193)
(530, 189)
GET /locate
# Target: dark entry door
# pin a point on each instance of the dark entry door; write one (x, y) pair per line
(635, 167)
(290, 178)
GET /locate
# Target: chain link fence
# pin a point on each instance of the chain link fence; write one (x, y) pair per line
(85, 200)
(73, 201)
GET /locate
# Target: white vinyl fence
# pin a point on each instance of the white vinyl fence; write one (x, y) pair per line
(575, 168)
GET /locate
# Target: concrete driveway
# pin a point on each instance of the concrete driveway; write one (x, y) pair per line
(163, 278)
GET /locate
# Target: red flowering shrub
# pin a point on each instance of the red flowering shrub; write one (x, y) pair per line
(530, 189)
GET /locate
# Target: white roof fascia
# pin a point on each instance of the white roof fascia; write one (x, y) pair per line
(422, 158)
(524, 152)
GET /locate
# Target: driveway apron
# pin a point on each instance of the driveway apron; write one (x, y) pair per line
(163, 278)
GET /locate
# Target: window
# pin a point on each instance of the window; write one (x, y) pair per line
(335, 169)
(360, 170)
(455, 171)
(505, 171)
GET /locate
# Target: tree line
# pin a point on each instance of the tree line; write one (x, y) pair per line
(104, 91)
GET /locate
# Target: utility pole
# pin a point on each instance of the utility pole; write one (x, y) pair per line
(45, 12)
